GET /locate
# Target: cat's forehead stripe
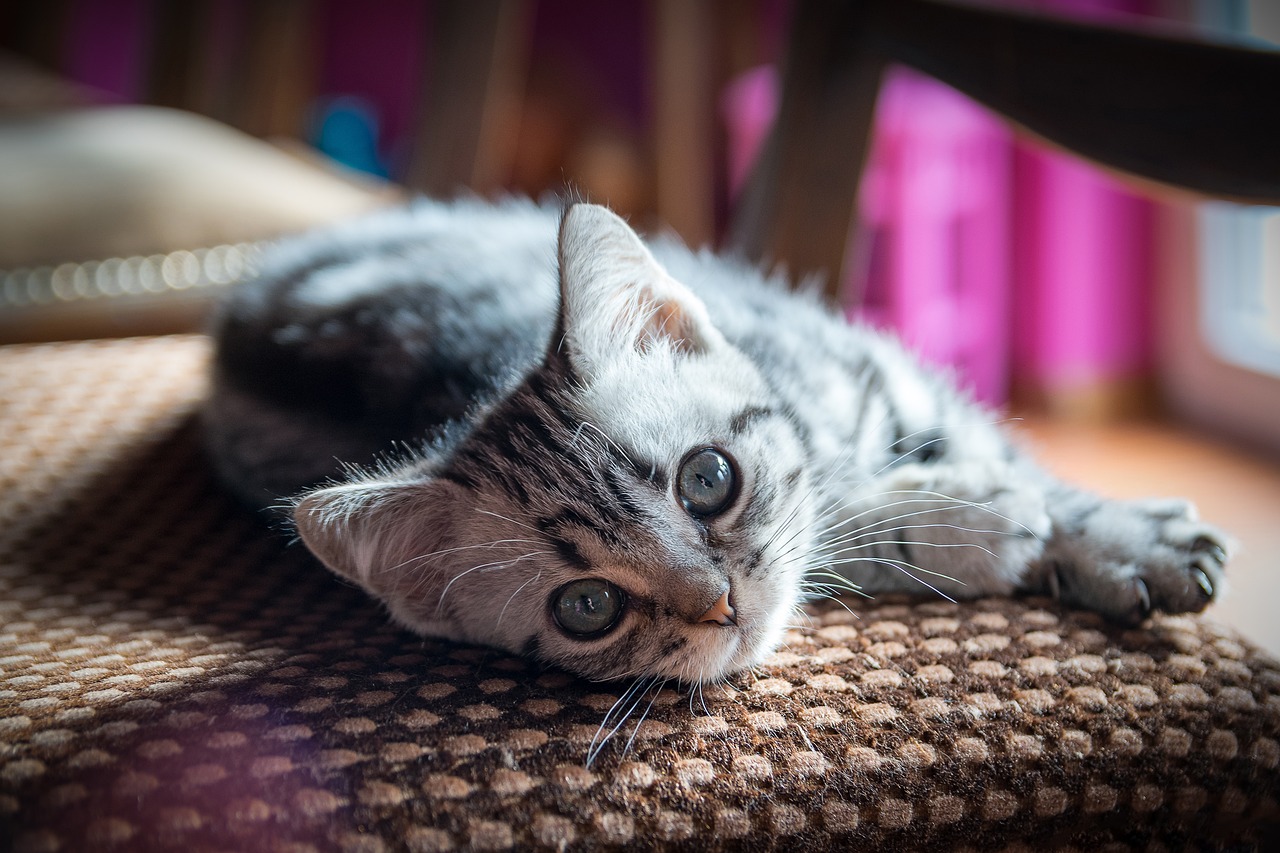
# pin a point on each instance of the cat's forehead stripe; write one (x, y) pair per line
(534, 451)
(586, 516)
(744, 419)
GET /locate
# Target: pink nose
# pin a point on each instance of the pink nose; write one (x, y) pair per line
(721, 612)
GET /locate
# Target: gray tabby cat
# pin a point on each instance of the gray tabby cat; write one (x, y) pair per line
(627, 458)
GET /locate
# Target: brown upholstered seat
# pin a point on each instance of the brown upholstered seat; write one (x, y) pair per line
(174, 676)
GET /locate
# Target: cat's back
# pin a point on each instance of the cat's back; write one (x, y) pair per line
(495, 257)
(375, 331)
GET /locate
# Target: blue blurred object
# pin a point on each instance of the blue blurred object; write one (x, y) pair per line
(347, 131)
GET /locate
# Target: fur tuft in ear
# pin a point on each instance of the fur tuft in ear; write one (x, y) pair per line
(376, 533)
(616, 300)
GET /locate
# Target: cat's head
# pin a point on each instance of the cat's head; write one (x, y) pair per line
(635, 507)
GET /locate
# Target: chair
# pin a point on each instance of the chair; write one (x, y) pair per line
(1158, 105)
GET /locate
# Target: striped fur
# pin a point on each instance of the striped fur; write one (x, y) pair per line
(518, 401)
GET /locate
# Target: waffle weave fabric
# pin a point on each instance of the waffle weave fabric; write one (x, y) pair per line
(174, 676)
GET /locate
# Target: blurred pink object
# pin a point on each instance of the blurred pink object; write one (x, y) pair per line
(1083, 258)
(934, 201)
(1083, 265)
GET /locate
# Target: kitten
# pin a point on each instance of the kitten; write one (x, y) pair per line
(627, 458)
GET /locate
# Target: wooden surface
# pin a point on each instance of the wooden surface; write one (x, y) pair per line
(798, 206)
(683, 80)
(475, 77)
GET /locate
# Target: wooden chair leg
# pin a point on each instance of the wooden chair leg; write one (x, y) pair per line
(682, 79)
(476, 71)
(798, 205)
(276, 69)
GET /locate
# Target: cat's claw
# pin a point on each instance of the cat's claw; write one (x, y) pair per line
(1205, 584)
(1210, 548)
(1144, 599)
(1132, 558)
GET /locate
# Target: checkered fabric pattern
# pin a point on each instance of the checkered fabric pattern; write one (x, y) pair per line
(175, 676)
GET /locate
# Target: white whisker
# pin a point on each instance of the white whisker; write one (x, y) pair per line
(497, 563)
(446, 551)
(497, 624)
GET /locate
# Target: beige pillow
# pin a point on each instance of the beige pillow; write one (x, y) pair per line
(116, 181)
(81, 189)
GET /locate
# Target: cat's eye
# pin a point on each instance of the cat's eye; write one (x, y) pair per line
(587, 607)
(706, 482)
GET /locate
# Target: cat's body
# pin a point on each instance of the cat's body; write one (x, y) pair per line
(633, 460)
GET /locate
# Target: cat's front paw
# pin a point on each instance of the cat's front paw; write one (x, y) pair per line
(1125, 559)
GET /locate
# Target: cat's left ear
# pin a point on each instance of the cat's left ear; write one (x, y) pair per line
(616, 300)
(376, 533)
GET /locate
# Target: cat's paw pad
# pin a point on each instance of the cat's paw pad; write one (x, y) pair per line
(1133, 558)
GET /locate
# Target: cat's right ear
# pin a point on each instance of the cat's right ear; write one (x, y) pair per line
(380, 535)
(617, 302)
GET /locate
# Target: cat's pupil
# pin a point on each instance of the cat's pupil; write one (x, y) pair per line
(706, 482)
(587, 607)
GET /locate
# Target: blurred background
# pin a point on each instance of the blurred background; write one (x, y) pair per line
(148, 147)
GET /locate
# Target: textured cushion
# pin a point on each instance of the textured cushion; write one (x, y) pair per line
(173, 676)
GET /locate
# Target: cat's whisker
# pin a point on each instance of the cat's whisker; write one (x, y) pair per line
(800, 530)
(823, 532)
(903, 566)
(942, 545)
(644, 715)
(508, 519)
(835, 469)
(446, 551)
(786, 522)
(800, 611)
(923, 582)
(837, 465)
(889, 561)
(815, 591)
(602, 737)
(826, 594)
(610, 442)
(702, 695)
(694, 683)
(497, 563)
(635, 695)
(938, 503)
(940, 438)
(836, 580)
(869, 531)
(498, 623)
(984, 506)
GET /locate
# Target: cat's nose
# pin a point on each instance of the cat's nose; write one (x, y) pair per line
(722, 612)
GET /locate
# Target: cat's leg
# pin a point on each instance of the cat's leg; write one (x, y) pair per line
(997, 526)
(964, 529)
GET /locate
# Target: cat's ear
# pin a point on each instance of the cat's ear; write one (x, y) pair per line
(616, 300)
(379, 534)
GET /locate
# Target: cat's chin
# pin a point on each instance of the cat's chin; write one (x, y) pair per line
(727, 653)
